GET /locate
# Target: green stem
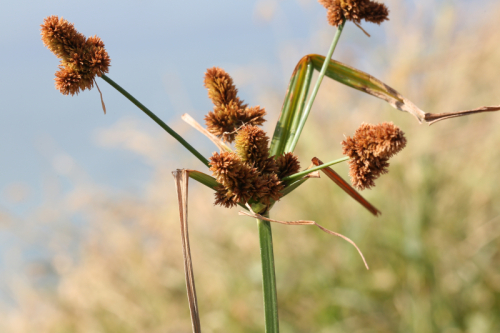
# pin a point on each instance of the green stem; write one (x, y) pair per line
(298, 175)
(268, 276)
(316, 86)
(156, 119)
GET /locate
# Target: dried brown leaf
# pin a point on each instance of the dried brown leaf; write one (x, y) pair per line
(432, 118)
(181, 184)
(218, 142)
(346, 187)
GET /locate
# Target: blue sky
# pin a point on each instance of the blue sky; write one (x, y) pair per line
(155, 47)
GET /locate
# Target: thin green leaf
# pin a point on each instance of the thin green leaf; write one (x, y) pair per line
(293, 186)
(298, 175)
(364, 82)
(204, 179)
(210, 182)
(293, 106)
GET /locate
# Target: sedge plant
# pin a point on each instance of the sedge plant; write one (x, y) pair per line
(252, 169)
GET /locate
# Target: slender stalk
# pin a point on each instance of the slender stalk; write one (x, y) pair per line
(268, 276)
(316, 86)
(298, 175)
(156, 119)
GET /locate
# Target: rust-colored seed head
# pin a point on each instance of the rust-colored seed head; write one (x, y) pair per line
(81, 58)
(222, 198)
(220, 86)
(61, 37)
(288, 164)
(68, 81)
(223, 121)
(250, 174)
(241, 182)
(253, 116)
(355, 11)
(252, 147)
(237, 177)
(370, 149)
(230, 113)
(267, 187)
(376, 12)
(251, 143)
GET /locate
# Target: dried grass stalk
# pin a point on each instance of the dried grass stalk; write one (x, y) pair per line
(218, 142)
(181, 184)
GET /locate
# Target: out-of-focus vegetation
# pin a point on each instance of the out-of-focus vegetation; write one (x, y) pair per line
(434, 252)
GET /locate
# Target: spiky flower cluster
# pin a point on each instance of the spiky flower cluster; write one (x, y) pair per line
(229, 113)
(355, 10)
(249, 174)
(81, 58)
(370, 149)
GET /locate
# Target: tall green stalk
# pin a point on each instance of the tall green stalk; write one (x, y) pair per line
(268, 276)
(156, 119)
(293, 143)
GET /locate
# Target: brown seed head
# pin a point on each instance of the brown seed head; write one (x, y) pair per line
(69, 81)
(61, 37)
(81, 58)
(226, 120)
(288, 164)
(241, 182)
(267, 187)
(230, 113)
(221, 89)
(370, 149)
(237, 178)
(252, 147)
(376, 12)
(355, 11)
(222, 198)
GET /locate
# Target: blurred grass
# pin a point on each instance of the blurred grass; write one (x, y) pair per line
(434, 252)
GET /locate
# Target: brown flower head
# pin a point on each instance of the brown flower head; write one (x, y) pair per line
(237, 178)
(288, 164)
(370, 149)
(355, 11)
(242, 182)
(230, 113)
(81, 58)
(267, 187)
(376, 12)
(223, 199)
(221, 89)
(252, 147)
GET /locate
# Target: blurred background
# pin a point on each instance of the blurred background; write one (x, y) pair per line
(89, 231)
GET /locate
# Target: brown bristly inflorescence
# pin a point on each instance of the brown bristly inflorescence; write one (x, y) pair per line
(252, 147)
(249, 174)
(229, 113)
(369, 151)
(288, 164)
(355, 11)
(81, 58)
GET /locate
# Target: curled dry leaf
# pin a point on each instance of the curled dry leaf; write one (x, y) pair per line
(304, 222)
(364, 82)
(432, 118)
